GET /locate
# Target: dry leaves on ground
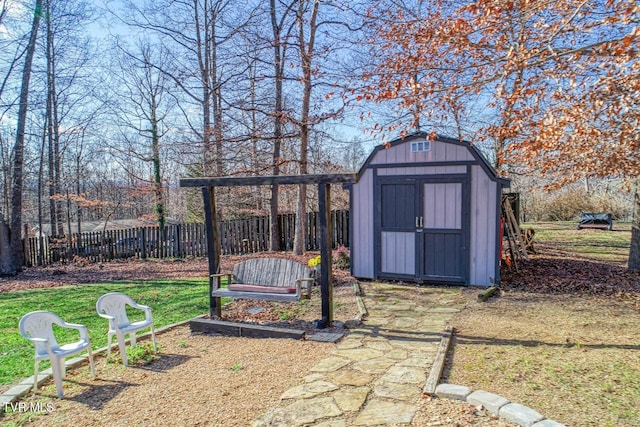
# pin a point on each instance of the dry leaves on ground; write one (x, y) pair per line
(558, 272)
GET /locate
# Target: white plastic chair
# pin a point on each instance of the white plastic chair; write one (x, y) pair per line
(37, 326)
(112, 306)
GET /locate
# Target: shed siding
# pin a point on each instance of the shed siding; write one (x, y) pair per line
(445, 201)
(398, 252)
(483, 226)
(362, 214)
(422, 170)
(440, 152)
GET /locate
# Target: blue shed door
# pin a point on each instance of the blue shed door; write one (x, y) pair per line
(444, 250)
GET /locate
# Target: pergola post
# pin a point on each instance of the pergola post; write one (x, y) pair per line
(326, 282)
(208, 197)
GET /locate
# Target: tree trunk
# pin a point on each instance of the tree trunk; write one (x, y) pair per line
(55, 185)
(40, 259)
(255, 158)
(7, 267)
(79, 187)
(69, 241)
(274, 235)
(205, 45)
(634, 250)
(18, 148)
(306, 55)
(155, 160)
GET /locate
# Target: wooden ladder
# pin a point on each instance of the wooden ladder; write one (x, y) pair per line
(517, 247)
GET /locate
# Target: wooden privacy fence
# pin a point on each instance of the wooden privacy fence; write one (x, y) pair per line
(238, 236)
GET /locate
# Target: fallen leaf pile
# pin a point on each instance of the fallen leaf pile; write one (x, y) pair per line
(556, 272)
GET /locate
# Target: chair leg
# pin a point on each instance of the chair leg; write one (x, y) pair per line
(57, 376)
(35, 376)
(91, 364)
(132, 337)
(63, 369)
(123, 349)
(109, 339)
(153, 337)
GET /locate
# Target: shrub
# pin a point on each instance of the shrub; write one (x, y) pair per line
(341, 258)
(140, 355)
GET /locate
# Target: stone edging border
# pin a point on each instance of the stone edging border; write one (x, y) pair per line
(17, 391)
(497, 405)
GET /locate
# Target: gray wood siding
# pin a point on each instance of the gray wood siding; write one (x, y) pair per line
(398, 250)
(440, 152)
(442, 205)
(422, 170)
(483, 228)
(363, 238)
(270, 272)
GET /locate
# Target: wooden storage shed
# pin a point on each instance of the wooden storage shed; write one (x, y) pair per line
(427, 210)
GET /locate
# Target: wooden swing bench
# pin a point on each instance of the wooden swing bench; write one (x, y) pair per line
(269, 279)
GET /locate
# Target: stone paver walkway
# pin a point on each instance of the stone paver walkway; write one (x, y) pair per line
(376, 374)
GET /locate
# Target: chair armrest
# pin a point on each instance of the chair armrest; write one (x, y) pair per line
(112, 320)
(106, 316)
(147, 313)
(84, 335)
(138, 306)
(34, 339)
(146, 308)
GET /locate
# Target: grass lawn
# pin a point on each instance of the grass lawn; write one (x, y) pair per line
(596, 244)
(573, 357)
(171, 301)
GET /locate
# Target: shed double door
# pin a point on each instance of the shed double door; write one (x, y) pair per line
(422, 229)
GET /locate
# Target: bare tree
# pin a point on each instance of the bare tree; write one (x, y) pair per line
(18, 148)
(142, 107)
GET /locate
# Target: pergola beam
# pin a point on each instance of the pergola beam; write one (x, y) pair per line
(242, 181)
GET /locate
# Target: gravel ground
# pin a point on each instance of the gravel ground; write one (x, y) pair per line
(203, 380)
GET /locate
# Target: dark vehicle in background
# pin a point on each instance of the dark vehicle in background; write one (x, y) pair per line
(595, 220)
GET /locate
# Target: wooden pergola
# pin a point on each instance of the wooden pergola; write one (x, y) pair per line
(208, 185)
